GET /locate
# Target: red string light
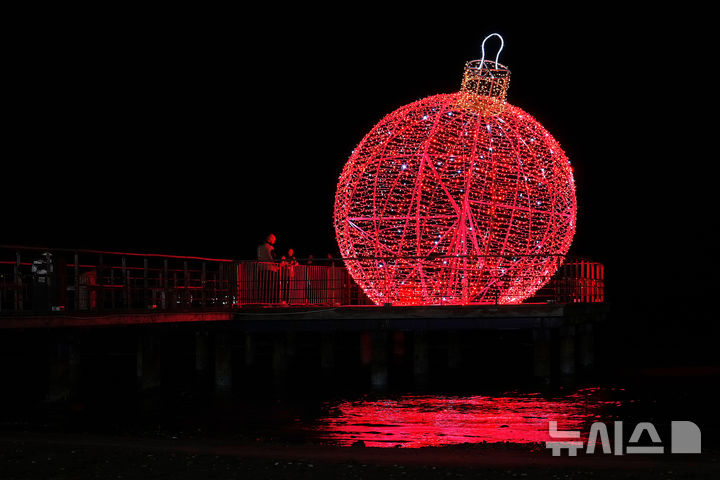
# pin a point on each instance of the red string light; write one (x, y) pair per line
(456, 198)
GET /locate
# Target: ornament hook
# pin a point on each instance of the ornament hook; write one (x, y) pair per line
(502, 44)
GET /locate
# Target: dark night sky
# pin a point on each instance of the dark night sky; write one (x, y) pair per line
(199, 132)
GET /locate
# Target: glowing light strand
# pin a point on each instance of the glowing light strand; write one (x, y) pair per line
(497, 56)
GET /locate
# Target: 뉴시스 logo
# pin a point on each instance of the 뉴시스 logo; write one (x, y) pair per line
(684, 438)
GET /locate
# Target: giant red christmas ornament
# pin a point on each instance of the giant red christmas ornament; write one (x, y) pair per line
(456, 198)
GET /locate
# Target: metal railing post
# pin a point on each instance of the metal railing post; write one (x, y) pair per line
(186, 285)
(166, 286)
(76, 282)
(125, 282)
(100, 284)
(203, 280)
(19, 300)
(146, 291)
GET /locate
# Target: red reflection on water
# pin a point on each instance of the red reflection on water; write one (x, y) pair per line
(420, 421)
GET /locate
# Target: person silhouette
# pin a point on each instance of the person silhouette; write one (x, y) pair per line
(266, 250)
(267, 273)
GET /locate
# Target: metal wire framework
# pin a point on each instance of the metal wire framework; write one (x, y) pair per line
(456, 198)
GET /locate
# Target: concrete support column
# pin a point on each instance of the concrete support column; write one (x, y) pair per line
(379, 376)
(280, 354)
(454, 357)
(223, 362)
(586, 346)
(398, 345)
(149, 360)
(542, 354)
(366, 348)
(290, 345)
(327, 353)
(567, 351)
(64, 372)
(202, 352)
(250, 342)
(421, 360)
(280, 362)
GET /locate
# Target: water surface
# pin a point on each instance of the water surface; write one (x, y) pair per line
(432, 420)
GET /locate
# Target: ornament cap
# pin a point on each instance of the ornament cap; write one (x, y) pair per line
(484, 87)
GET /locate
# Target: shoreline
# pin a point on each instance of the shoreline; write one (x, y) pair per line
(27, 454)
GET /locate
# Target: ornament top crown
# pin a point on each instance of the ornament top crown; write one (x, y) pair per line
(485, 83)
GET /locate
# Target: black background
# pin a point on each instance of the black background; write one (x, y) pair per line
(198, 132)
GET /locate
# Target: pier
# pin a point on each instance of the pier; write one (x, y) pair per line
(147, 322)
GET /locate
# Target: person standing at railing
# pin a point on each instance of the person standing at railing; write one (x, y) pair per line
(266, 251)
(290, 258)
(331, 278)
(330, 260)
(268, 284)
(308, 275)
(288, 264)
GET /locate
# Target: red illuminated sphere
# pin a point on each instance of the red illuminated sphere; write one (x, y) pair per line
(456, 198)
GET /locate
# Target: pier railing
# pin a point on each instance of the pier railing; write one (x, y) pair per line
(36, 279)
(578, 280)
(295, 283)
